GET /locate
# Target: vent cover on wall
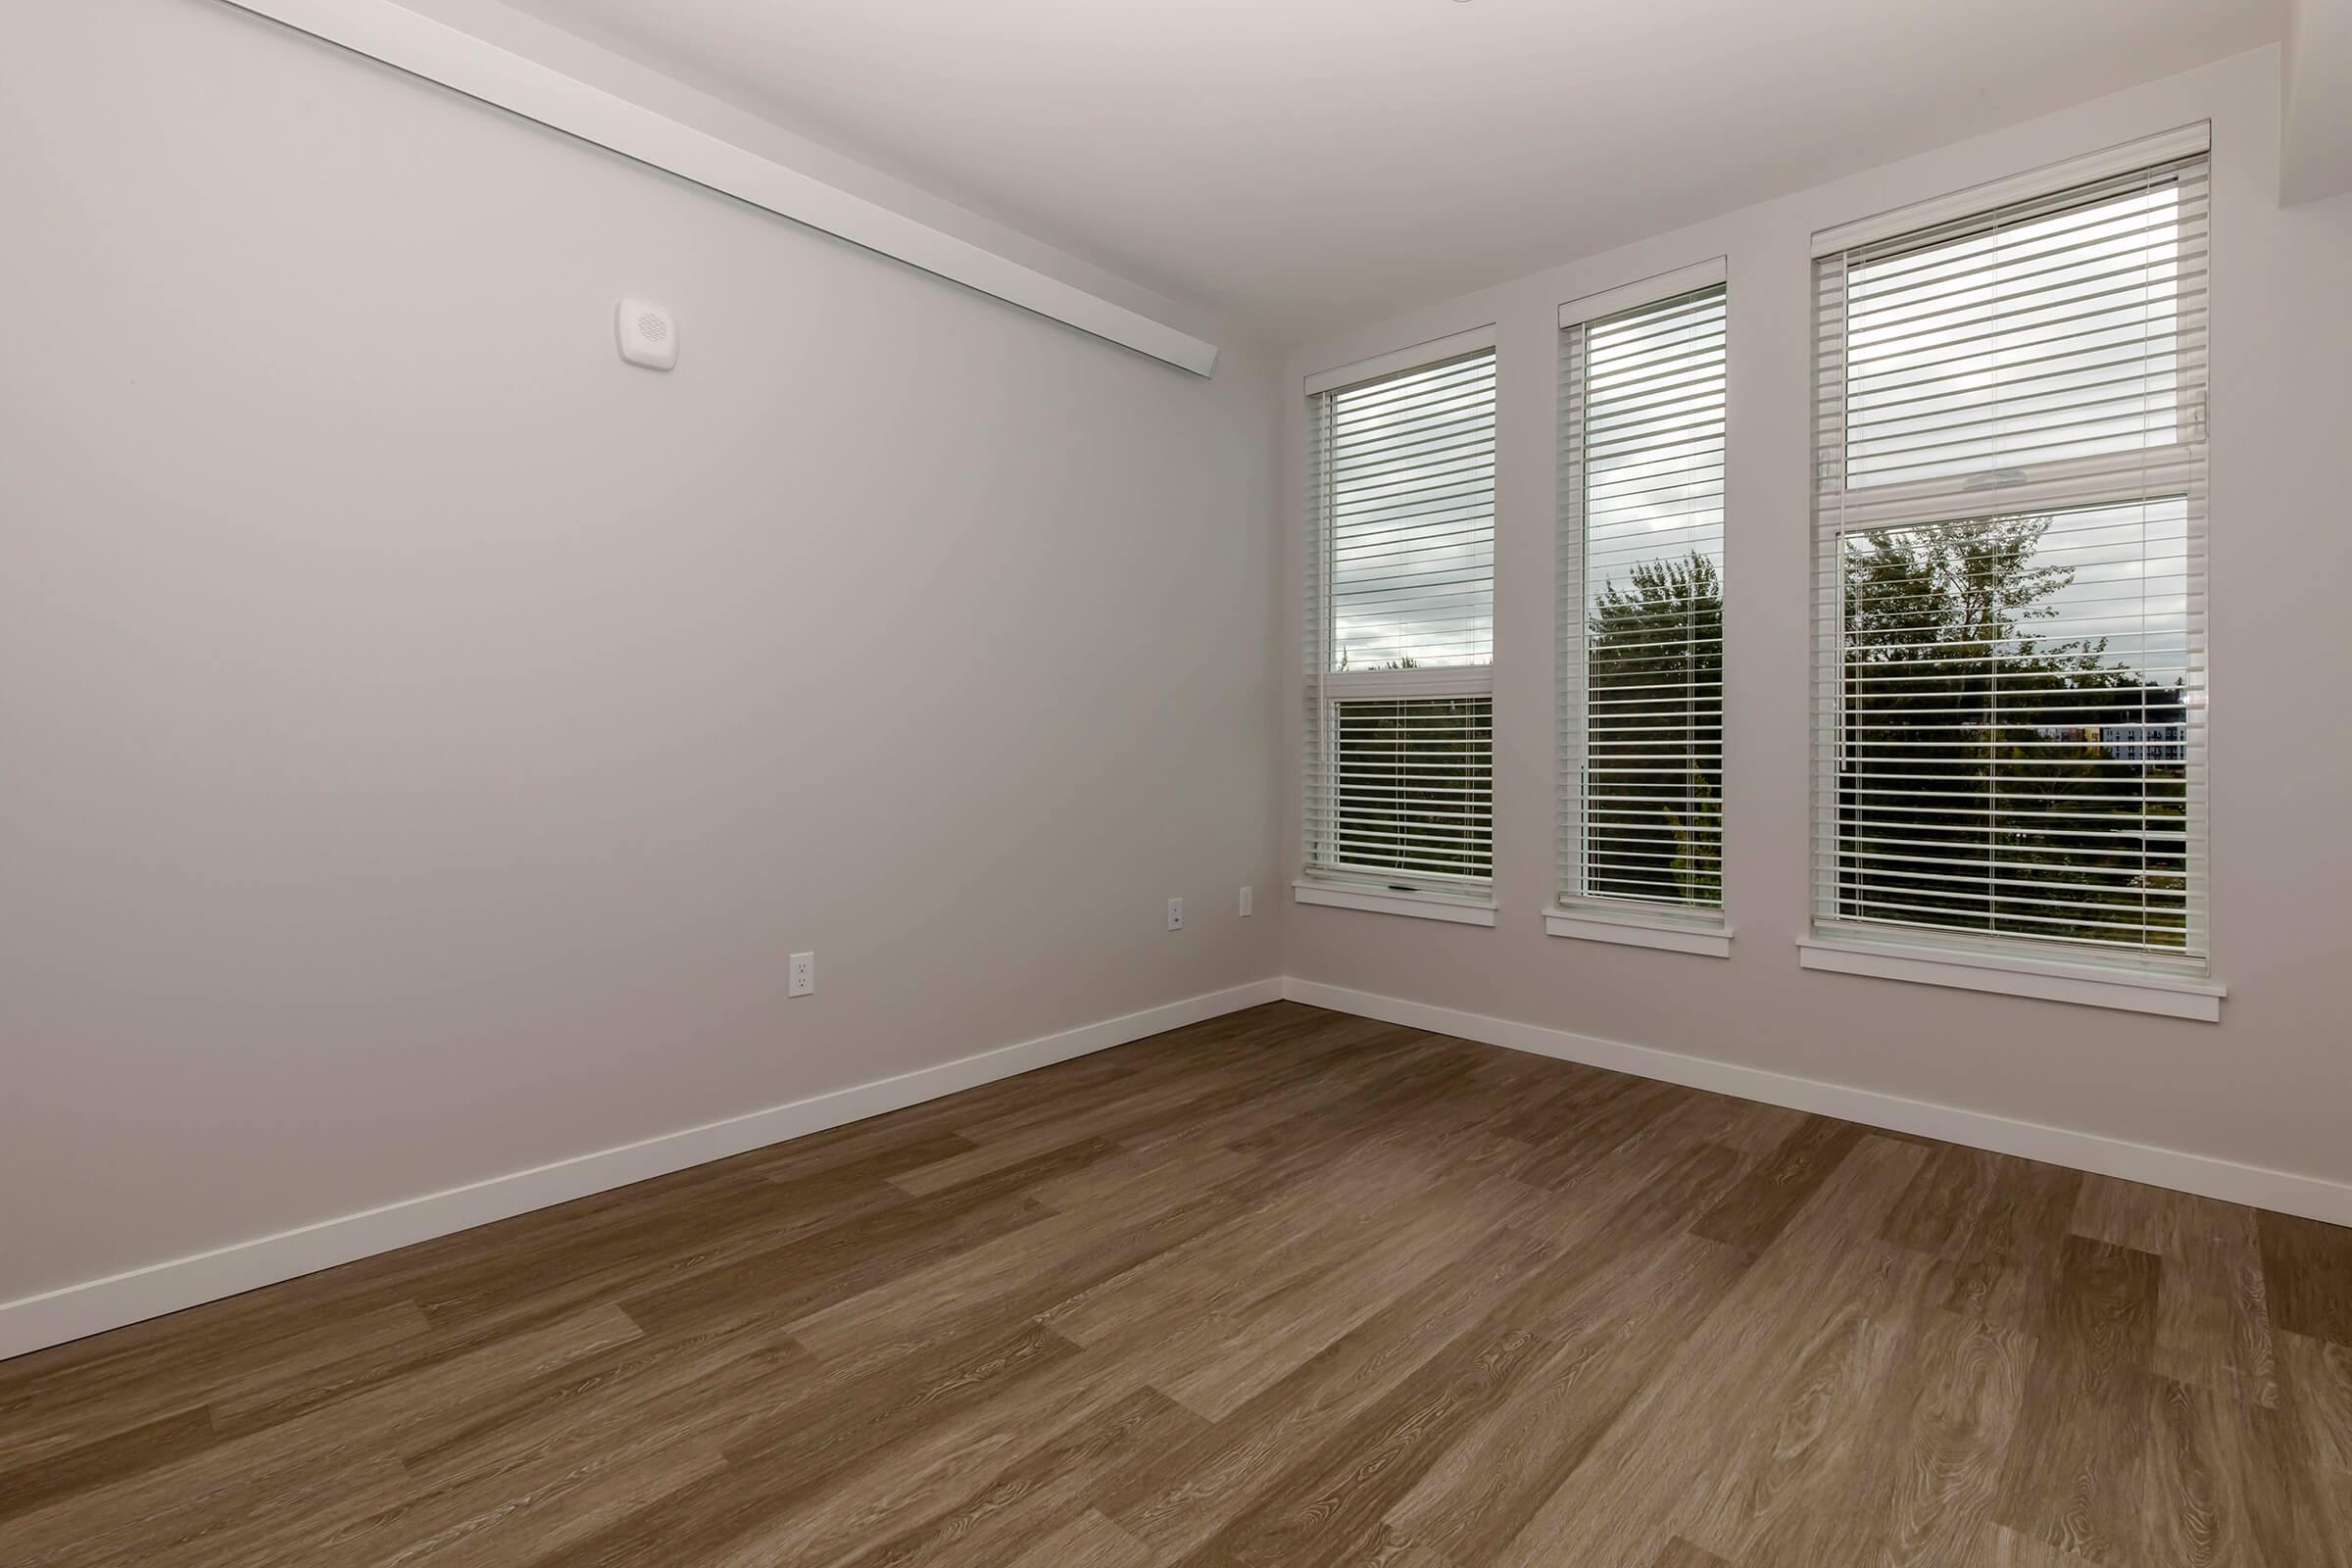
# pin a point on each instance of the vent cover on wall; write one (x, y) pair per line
(647, 334)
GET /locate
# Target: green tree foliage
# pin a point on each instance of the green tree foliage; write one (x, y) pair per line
(1654, 712)
(1968, 746)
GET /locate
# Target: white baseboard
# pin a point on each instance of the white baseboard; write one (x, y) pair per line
(52, 1318)
(2290, 1194)
(76, 1310)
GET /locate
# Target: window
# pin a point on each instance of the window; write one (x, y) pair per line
(1642, 444)
(1400, 618)
(2010, 689)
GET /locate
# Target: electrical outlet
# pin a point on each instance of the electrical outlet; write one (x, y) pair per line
(1246, 893)
(1175, 914)
(803, 974)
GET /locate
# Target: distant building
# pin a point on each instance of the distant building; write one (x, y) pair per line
(2126, 743)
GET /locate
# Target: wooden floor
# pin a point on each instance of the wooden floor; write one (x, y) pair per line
(1285, 1288)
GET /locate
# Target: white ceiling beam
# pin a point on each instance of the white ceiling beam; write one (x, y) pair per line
(437, 52)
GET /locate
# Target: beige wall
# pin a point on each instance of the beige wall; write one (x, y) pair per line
(2271, 1083)
(426, 735)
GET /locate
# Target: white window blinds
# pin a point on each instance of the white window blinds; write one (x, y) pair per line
(1641, 441)
(1400, 619)
(2010, 689)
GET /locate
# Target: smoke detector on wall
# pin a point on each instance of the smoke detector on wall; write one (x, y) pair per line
(647, 335)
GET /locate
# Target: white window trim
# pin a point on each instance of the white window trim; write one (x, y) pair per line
(2186, 141)
(2055, 483)
(2087, 985)
(1946, 959)
(1437, 680)
(1635, 928)
(1419, 906)
(1675, 928)
(1398, 361)
(1644, 291)
(1346, 890)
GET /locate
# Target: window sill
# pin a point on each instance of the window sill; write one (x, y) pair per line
(1381, 900)
(2089, 985)
(1628, 928)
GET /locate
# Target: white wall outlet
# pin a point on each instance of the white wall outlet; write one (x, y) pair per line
(647, 335)
(1246, 896)
(1175, 914)
(803, 974)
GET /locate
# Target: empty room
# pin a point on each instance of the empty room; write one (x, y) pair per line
(1232, 784)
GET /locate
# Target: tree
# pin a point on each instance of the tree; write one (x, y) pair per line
(1653, 814)
(1973, 786)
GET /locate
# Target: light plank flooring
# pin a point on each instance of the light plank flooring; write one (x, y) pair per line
(1285, 1288)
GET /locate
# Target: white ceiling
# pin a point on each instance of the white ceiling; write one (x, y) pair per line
(1307, 165)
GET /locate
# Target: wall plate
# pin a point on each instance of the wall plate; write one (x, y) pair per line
(647, 335)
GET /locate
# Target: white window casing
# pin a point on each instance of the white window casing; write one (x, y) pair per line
(2010, 521)
(1399, 785)
(1640, 613)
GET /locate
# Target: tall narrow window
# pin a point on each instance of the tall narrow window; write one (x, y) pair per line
(1400, 620)
(1641, 439)
(2011, 578)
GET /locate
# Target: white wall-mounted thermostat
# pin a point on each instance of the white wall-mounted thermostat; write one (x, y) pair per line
(647, 335)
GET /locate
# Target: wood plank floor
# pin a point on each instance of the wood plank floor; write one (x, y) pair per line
(1284, 1287)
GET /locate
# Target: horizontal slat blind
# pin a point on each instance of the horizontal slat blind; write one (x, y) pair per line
(1412, 785)
(1641, 445)
(1400, 627)
(1412, 517)
(2011, 570)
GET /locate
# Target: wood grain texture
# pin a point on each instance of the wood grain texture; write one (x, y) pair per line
(2071, 1479)
(2305, 1262)
(1287, 1288)
(1683, 1555)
